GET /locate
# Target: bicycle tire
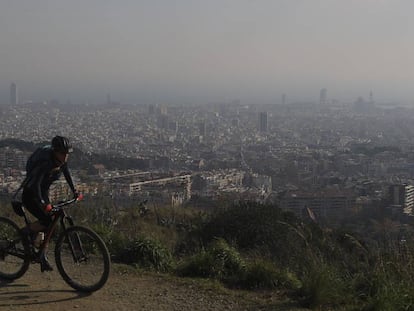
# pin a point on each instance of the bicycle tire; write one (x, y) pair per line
(75, 266)
(14, 251)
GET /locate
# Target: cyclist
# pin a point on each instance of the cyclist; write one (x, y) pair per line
(44, 167)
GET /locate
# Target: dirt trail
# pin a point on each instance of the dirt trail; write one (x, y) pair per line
(130, 290)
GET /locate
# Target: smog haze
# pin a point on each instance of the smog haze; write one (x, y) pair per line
(207, 51)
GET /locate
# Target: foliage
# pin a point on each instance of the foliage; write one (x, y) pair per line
(255, 246)
(147, 253)
(223, 262)
(227, 258)
(114, 240)
(389, 284)
(255, 226)
(324, 286)
(220, 261)
(201, 265)
(263, 274)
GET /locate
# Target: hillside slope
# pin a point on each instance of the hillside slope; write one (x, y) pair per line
(128, 289)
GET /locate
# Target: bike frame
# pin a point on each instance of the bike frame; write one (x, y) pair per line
(59, 215)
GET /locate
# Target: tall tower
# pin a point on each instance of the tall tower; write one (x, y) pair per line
(323, 97)
(262, 122)
(202, 128)
(283, 99)
(14, 99)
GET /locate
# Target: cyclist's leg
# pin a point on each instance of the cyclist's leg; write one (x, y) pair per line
(44, 220)
(37, 211)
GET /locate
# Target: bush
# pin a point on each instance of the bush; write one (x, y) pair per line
(147, 253)
(227, 258)
(114, 240)
(220, 261)
(323, 287)
(389, 291)
(265, 275)
(253, 226)
(199, 265)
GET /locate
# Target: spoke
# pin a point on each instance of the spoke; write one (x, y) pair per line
(82, 259)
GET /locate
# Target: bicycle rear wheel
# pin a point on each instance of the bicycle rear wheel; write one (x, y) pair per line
(82, 259)
(14, 248)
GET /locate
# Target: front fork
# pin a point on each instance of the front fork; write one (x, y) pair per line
(74, 241)
(66, 222)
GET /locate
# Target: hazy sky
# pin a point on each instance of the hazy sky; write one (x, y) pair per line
(210, 50)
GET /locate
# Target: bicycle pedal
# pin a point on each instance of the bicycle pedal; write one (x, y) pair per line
(45, 265)
(35, 257)
(45, 268)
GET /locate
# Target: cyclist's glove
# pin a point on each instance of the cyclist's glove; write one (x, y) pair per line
(48, 208)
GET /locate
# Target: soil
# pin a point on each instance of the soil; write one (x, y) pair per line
(130, 289)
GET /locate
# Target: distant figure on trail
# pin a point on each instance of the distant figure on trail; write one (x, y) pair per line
(43, 167)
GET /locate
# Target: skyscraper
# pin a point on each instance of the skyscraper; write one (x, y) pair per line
(284, 99)
(262, 122)
(371, 97)
(323, 97)
(163, 121)
(202, 128)
(14, 100)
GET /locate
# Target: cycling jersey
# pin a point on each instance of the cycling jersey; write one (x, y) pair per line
(44, 170)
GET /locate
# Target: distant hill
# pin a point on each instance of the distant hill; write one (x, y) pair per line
(81, 160)
(19, 144)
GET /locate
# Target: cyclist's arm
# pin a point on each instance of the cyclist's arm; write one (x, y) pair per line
(68, 177)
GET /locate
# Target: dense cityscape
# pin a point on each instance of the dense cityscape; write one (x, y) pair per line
(317, 158)
(209, 155)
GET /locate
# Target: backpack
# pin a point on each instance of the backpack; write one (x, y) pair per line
(40, 155)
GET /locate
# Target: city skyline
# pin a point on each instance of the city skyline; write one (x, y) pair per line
(191, 51)
(324, 99)
(14, 97)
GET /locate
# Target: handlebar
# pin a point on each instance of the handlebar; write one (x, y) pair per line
(58, 206)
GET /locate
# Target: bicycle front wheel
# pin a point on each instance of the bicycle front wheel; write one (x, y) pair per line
(82, 259)
(14, 250)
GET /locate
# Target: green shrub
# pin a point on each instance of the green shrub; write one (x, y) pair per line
(253, 226)
(263, 274)
(389, 292)
(227, 258)
(114, 240)
(147, 253)
(249, 224)
(220, 261)
(199, 265)
(323, 287)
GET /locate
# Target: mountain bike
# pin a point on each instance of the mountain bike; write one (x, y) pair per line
(81, 256)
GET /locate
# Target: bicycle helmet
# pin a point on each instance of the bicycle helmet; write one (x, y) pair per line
(61, 144)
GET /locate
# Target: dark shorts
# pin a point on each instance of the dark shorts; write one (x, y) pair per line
(30, 202)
